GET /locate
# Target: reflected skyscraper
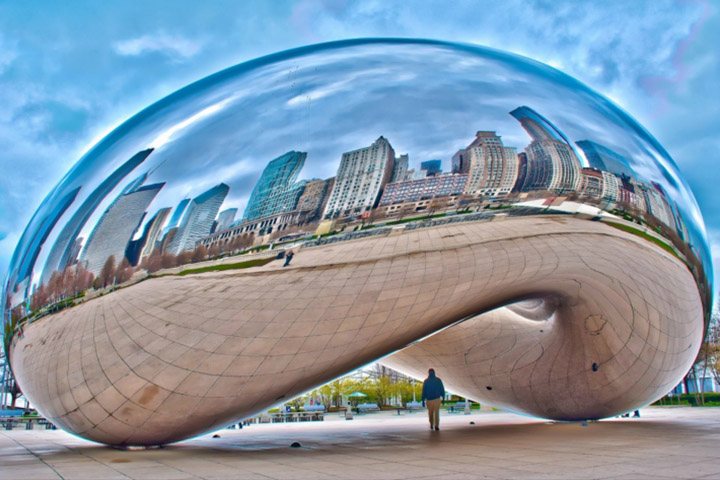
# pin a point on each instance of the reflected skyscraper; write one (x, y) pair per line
(153, 229)
(431, 167)
(400, 171)
(277, 190)
(602, 158)
(552, 163)
(198, 219)
(27, 263)
(360, 179)
(225, 218)
(118, 224)
(59, 255)
(492, 167)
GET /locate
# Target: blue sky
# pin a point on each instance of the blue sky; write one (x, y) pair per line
(69, 73)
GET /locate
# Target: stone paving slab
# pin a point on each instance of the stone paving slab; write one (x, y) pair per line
(665, 443)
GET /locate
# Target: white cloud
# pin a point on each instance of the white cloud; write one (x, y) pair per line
(171, 45)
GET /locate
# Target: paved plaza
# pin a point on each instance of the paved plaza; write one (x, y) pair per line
(678, 442)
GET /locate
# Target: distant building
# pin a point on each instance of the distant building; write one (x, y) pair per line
(429, 187)
(459, 162)
(552, 163)
(60, 253)
(117, 225)
(277, 190)
(225, 219)
(431, 167)
(258, 227)
(602, 158)
(198, 219)
(315, 197)
(610, 186)
(522, 172)
(153, 229)
(362, 175)
(592, 183)
(177, 215)
(632, 199)
(493, 167)
(656, 204)
(400, 171)
(74, 252)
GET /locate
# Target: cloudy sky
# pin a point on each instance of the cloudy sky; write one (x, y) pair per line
(69, 73)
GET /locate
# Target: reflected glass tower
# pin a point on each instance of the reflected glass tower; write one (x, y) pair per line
(277, 190)
(118, 224)
(153, 228)
(552, 163)
(59, 255)
(198, 220)
(431, 167)
(602, 158)
(225, 218)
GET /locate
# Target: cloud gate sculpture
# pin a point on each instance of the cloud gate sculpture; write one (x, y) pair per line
(285, 221)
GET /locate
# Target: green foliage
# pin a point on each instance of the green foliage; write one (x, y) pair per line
(712, 399)
(228, 266)
(644, 235)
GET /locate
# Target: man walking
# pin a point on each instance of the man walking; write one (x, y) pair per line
(433, 393)
(288, 257)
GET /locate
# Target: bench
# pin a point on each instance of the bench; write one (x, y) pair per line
(314, 408)
(367, 407)
(457, 407)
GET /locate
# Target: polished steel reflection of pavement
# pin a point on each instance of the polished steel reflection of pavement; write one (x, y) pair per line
(665, 443)
(600, 322)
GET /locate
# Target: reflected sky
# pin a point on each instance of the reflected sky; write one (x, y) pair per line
(427, 98)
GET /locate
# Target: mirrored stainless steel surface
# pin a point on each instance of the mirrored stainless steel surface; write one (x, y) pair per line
(287, 220)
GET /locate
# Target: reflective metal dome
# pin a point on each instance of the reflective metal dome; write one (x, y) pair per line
(287, 220)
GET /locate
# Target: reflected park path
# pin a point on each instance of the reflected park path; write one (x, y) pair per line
(665, 443)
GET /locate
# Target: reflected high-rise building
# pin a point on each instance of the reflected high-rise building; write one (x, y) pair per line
(27, 263)
(552, 163)
(198, 219)
(362, 175)
(314, 197)
(277, 190)
(492, 167)
(74, 253)
(118, 224)
(177, 215)
(602, 158)
(59, 255)
(592, 183)
(225, 218)
(153, 229)
(431, 167)
(610, 187)
(400, 171)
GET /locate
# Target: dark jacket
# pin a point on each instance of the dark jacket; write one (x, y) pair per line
(432, 388)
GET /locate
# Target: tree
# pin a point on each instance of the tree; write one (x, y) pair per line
(153, 262)
(214, 251)
(183, 258)
(406, 210)
(108, 271)
(199, 254)
(124, 271)
(168, 260)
